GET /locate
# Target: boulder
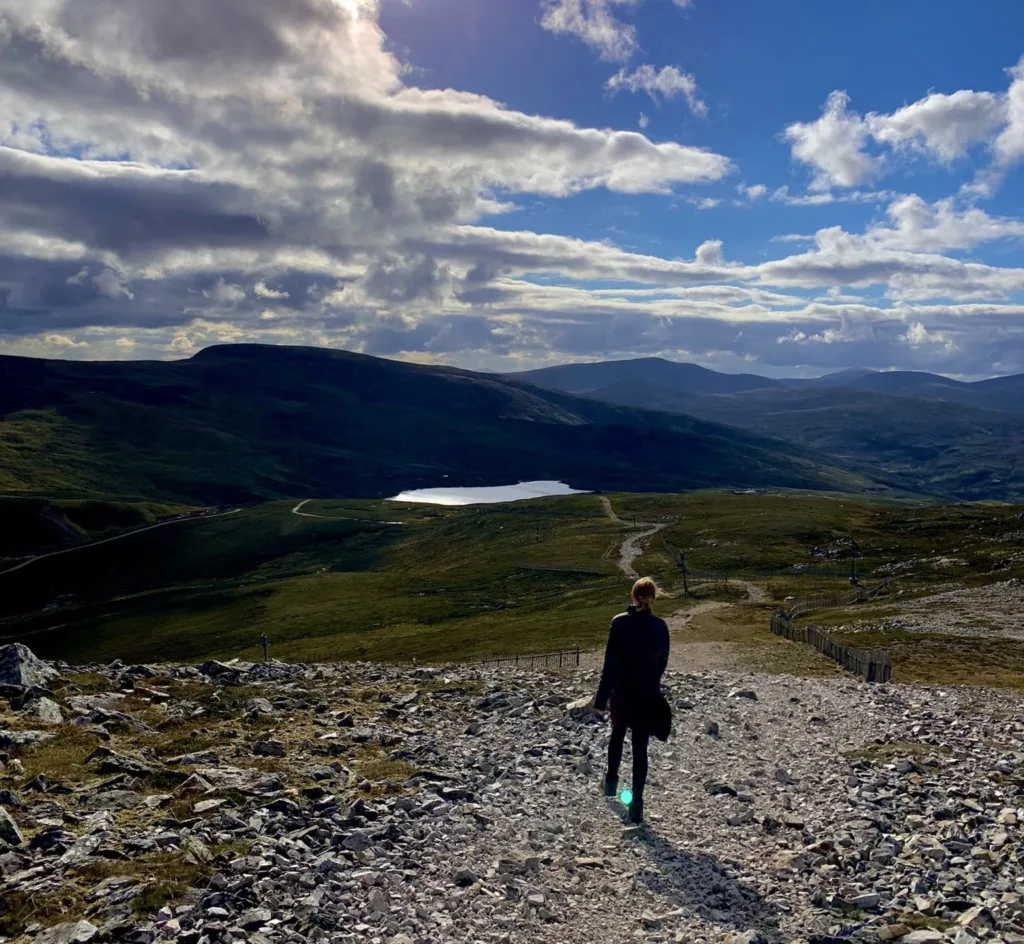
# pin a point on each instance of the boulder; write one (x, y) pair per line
(20, 666)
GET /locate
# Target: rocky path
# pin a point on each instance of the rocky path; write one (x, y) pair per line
(632, 545)
(364, 803)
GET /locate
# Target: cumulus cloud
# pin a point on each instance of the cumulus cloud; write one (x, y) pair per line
(752, 193)
(594, 22)
(268, 171)
(834, 146)
(665, 83)
(943, 125)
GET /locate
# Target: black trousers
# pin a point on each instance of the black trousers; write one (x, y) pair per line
(640, 741)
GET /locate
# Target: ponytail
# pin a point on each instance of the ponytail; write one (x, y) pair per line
(644, 593)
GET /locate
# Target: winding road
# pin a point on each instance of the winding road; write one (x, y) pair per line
(297, 510)
(631, 547)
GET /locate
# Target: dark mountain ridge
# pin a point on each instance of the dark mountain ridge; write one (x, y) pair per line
(918, 431)
(251, 422)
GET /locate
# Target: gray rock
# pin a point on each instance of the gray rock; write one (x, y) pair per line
(13, 740)
(784, 777)
(73, 932)
(923, 936)
(269, 748)
(9, 831)
(46, 710)
(977, 918)
(378, 900)
(254, 918)
(464, 878)
(747, 693)
(258, 706)
(20, 666)
(234, 778)
(356, 841)
(866, 902)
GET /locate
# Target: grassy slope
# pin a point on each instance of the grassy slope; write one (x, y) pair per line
(452, 583)
(34, 525)
(246, 422)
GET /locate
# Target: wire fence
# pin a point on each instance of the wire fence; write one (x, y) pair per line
(565, 658)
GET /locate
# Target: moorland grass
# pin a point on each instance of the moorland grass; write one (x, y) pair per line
(454, 583)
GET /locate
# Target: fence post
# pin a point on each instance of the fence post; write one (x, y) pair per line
(265, 642)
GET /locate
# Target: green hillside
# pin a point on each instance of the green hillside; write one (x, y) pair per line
(246, 423)
(464, 582)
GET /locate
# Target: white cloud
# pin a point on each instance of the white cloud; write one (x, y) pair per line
(710, 253)
(263, 291)
(939, 227)
(329, 201)
(594, 22)
(753, 193)
(223, 293)
(110, 284)
(643, 121)
(63, 341)
(917, 335)
(668, 82)
(834, 146)
(1009, 146)
(942, 125)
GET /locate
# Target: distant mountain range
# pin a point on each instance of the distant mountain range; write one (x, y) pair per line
(239, 423)
(1003, 394)
(916, 431)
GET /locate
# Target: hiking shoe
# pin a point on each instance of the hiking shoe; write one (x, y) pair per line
(611, 786)
(636, 810)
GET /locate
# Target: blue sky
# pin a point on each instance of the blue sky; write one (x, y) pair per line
(787, 188)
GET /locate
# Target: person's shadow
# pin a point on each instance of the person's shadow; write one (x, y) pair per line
(698, 883)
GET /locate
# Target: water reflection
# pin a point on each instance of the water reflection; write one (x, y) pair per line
(485, 496)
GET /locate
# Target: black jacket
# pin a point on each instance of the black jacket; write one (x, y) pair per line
(635, 658)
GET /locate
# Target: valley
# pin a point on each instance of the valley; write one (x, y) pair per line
(334, 580)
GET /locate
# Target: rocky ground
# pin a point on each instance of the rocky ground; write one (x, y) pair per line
(995, 609)
(367, 803)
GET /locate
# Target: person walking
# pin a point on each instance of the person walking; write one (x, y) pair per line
(634, 662)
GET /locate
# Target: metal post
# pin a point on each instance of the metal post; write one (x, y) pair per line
(265, 642)
(853, 564)
(682, 563)
(634, 521)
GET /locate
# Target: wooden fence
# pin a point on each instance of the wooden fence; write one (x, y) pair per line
(830, 601)
(565, 658)
(873, 665)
